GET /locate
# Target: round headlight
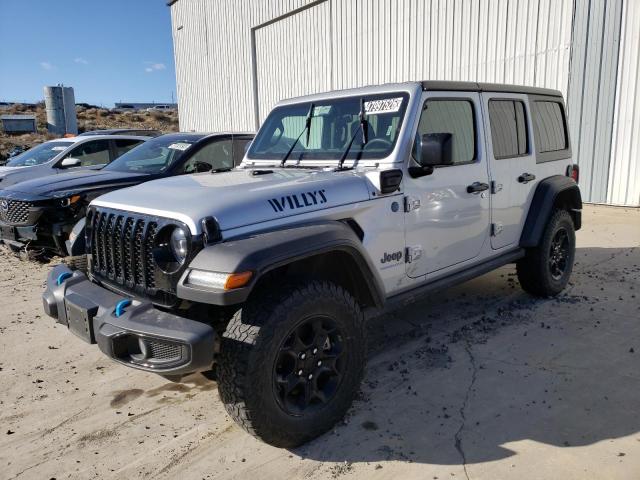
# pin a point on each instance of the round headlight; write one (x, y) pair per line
(179, 245)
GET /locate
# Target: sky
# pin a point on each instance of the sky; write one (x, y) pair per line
(107, 50)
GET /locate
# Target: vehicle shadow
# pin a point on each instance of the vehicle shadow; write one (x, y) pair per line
(465, 375)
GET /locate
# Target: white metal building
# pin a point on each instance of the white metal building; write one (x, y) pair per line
(236, 58)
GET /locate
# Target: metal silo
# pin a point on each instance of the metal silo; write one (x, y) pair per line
(61, 110)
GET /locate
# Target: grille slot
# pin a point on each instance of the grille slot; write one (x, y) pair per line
(15, 211)
(122, 250)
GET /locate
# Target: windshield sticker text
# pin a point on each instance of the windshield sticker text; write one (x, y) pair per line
(58, 149)
(179, 146)
(298, 200)
(386, 105)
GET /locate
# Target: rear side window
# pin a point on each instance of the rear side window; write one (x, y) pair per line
(550, 125)
(91, 153)
(455, 117)
(508, 128)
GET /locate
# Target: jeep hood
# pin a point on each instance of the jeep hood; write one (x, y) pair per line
(240, 197)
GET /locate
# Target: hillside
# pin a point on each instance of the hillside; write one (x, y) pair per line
(88, 119)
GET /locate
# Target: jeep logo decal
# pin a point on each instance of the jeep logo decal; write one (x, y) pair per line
(298, 200)
(391, 257)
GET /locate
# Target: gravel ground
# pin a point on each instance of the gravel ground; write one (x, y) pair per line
(481, 382)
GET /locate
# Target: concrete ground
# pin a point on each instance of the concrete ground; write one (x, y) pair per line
(484, 382)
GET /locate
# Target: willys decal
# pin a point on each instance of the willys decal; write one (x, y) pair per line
(298, 200)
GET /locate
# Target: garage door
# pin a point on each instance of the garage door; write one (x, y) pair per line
(293, 57)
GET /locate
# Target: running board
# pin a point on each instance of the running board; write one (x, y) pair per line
(415, 294)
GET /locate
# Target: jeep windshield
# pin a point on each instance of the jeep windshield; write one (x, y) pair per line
(153, 156)
(334, 122)
(39, 154)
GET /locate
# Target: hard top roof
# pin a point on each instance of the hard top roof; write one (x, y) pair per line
(486, 87)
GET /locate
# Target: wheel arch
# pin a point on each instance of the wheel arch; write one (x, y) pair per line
(325, 250)
(552, 193)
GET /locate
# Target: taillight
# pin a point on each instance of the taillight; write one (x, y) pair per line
(573, 171)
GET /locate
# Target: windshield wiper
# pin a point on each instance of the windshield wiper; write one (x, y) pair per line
(364, 126)
(307, 128)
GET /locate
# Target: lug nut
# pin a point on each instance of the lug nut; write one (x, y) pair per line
(300, 372)
(319, 362)
(315, 350)
(310, 376)
(303, 356)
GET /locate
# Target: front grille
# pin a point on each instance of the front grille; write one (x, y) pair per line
(15, 212)
(122, 249)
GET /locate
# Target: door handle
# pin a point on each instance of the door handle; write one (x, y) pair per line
(477, 187)
(526, 178)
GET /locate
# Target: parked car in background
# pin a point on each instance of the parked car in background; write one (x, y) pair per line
(123, 131)
(61, 155)
(42, 212)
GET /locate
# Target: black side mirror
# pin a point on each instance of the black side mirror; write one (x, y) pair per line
(432, 149)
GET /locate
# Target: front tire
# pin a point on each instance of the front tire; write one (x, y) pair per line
(546, 269)
(291, 362)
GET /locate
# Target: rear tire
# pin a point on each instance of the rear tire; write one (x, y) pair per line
(316, 328)
(546, 269)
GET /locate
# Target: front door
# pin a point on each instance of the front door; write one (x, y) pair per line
(447, 221)
(512, 165)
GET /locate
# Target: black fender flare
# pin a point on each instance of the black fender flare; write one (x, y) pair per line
(548, 192)
(265, 251)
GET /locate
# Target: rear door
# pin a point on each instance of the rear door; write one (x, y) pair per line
(448, 219)
(512, 164)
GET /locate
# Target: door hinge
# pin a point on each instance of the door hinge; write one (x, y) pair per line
(411, 203)
(496, 228)
(412, 254)
(495, 187)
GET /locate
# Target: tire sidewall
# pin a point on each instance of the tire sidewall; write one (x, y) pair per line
(560, 220)
(289, 313)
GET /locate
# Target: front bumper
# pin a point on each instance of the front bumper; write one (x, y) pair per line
(17, 235)
(140, 336)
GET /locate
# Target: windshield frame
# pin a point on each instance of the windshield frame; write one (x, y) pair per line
(66, 144)
(331, 158)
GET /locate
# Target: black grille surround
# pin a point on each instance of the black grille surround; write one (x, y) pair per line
(123, 248)
(14, 212)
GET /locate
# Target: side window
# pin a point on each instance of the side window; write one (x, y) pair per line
(214, 156)
(123, 146)
(239, 149)
(456, 118)
(90, 153)
(550, 125)
(508, 128)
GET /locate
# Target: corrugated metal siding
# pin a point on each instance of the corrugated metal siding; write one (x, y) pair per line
(624, 172)
(223, 48)
(592, 91)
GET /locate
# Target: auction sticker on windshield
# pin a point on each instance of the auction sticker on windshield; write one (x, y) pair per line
(58, 149)
(386, 105)
(179, 146)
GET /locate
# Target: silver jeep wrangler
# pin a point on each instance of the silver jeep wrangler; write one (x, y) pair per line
(347, 204)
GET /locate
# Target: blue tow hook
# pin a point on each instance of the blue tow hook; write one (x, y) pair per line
(62, 277)
(122, 304)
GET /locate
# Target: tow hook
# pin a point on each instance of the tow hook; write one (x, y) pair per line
(120, 307)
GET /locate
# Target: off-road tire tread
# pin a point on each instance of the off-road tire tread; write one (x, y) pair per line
(242, 340)
(532, 270)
